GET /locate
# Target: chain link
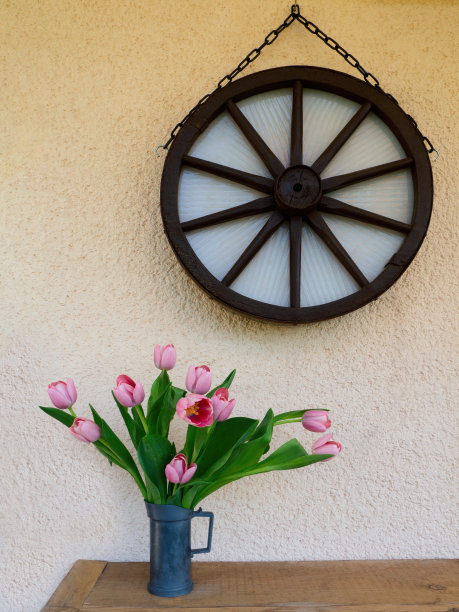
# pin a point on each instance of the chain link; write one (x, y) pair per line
(368, 77)
(295, 15)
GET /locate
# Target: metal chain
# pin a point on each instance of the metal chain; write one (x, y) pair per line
(295, 15)
(354, 62)
(252, 56)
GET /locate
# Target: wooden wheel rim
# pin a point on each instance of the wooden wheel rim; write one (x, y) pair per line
(313, 78)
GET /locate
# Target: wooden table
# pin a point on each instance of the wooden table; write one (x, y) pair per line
(319, 586)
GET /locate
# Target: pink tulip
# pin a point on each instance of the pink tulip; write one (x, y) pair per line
(326, 446)
(85, 430)
(127, 392)
(222, 408)
(198, 379)
(63, 395)
(165, 357)
(177, 471)
(316, 420)
(195, 409)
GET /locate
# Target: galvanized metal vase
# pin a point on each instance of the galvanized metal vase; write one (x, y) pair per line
(170, 548)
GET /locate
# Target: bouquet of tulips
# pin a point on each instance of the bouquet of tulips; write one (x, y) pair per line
(219, 448)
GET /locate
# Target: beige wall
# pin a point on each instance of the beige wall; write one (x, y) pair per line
(90, 284)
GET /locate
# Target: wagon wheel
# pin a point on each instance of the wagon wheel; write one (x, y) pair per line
(297, 194)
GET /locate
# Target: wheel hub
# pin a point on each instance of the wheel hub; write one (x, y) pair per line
(297, 190)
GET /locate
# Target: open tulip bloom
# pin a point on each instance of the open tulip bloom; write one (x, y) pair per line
(219, 448)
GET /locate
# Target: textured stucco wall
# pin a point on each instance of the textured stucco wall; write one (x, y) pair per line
(90, 284)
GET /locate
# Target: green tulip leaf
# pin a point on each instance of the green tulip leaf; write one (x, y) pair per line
(135, 428)
(190, 494)
(154, 454)
(226, 383)
(221, 442)
(153, 494)
(194, 483)
(290, 455)
(116, 446)
(157, 388)
(264, 431)
(248, 454)
(195, 440)
(155, 409)
(103, 450)
(175, 499)
(60, 415)
(176, 395)
(167, 410)
(188, 449)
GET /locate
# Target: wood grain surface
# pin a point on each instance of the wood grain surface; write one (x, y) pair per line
(325, 586)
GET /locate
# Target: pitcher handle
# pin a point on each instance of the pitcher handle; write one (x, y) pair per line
(210, 516)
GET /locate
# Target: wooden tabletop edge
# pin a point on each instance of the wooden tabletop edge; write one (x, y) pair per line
(76, 586)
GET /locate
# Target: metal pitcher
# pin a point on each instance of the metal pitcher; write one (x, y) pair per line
(170, 548)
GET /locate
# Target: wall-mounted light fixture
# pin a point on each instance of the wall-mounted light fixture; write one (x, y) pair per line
(296, 194)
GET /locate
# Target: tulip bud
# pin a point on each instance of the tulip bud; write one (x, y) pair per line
(177, 471)
(165, 357)
(198, 379)
(316, 420)
(85, 430)
(222, 408)
(195, 409)
(326, 446)
(63, 395)
(127, 392)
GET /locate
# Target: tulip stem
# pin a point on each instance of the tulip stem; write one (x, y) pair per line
(139, 411)
(288, 421)
(72, 412)
(284, 416)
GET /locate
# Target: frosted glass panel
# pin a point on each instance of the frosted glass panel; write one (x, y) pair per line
(323, 278)
(219, 247)
(370, 247)
(267, 276)
(270, 114)
(390, 195)
(370, 145)
(201, 194)
(324, 116)
(223, 143)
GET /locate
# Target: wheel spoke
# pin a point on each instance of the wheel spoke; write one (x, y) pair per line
(236, 212)
(333, 148)
(359, 214)
(261, 183)
(260, 146)
(266, 231)
(296, 224)
(334, 182)
(324, 232)
(296, 148)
